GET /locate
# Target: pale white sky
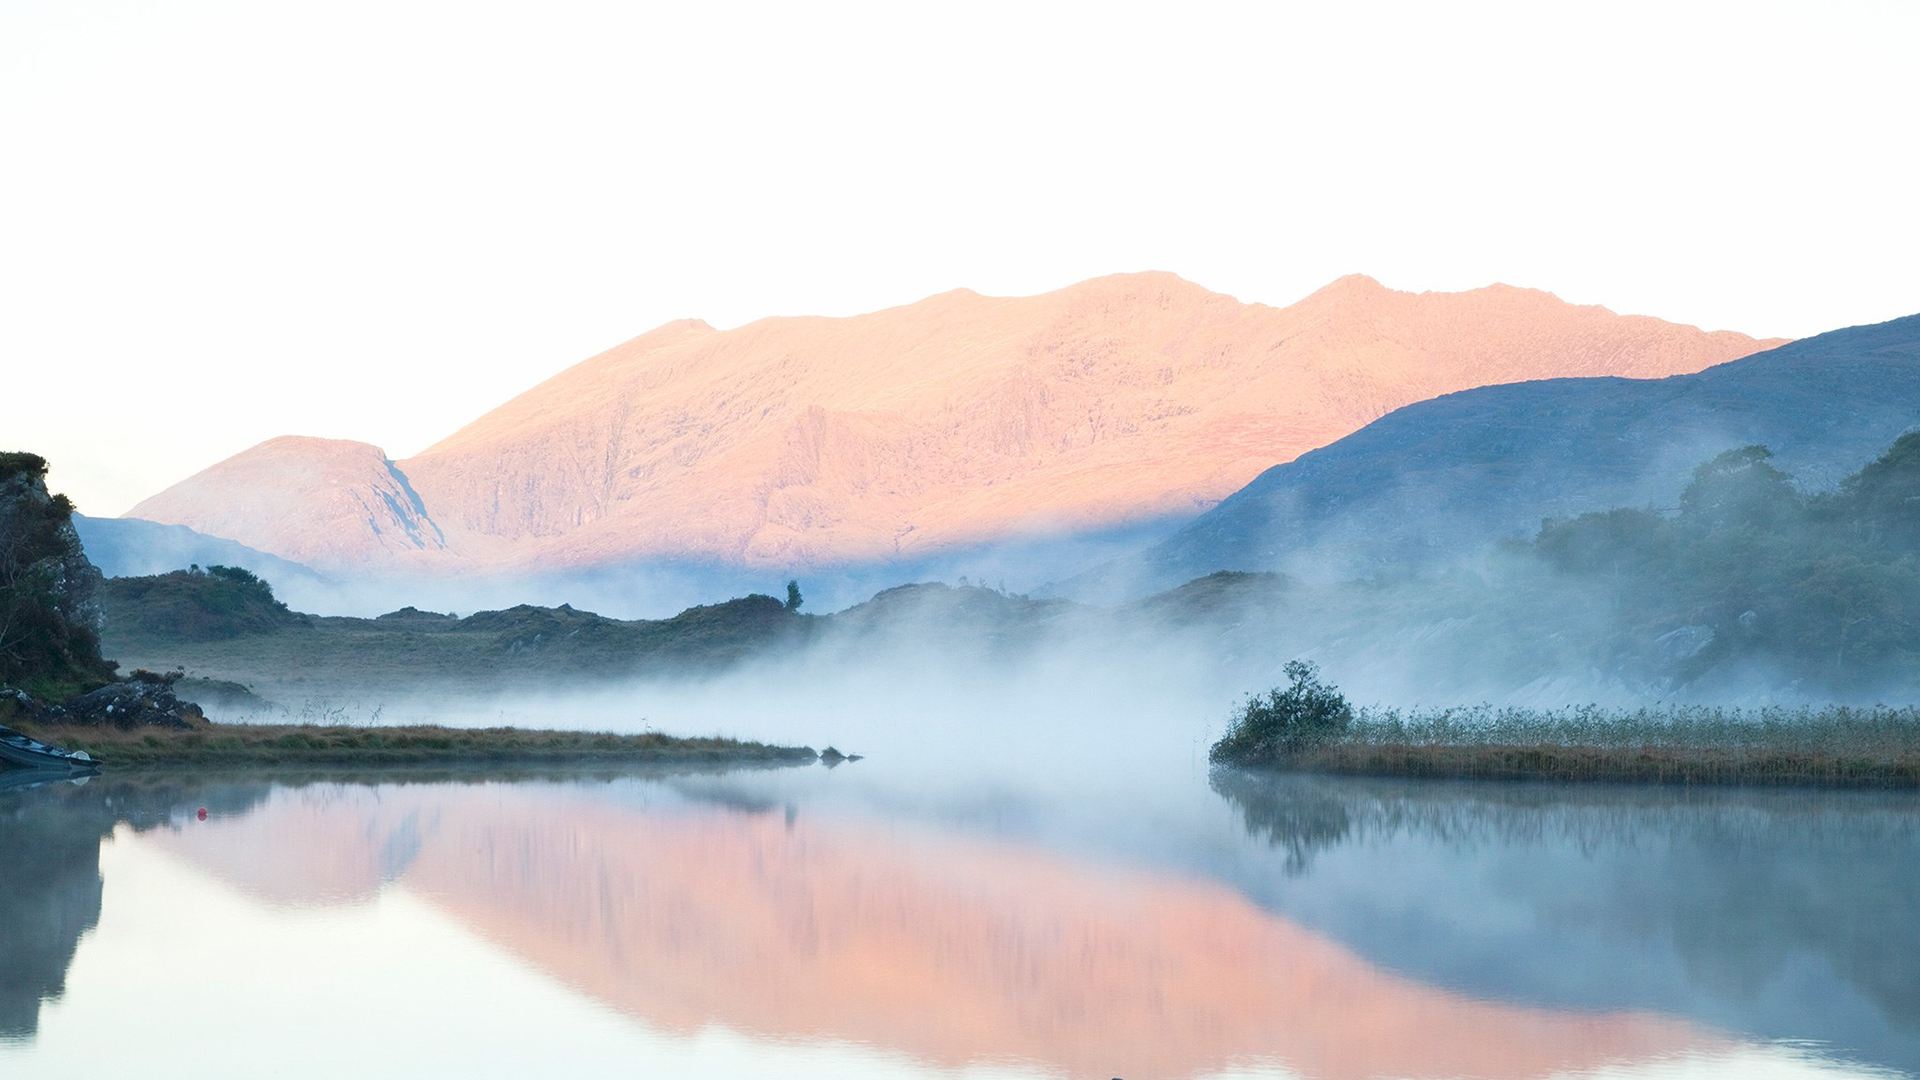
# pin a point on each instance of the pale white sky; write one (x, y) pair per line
(222, 221)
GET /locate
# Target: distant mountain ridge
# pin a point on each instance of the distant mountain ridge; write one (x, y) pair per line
(130, 547)
(1443, 477)
(957, 420)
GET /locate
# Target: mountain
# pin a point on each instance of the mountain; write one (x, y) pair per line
(961, 419)
(314, 501)
(1443, 477)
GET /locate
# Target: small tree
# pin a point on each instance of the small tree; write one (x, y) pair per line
(794, 599)
(1739, 488)
(1307, 713)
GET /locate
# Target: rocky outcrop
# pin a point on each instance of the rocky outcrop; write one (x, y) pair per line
(49, 606)
(146, 700)
(50, 618)
(19, 707)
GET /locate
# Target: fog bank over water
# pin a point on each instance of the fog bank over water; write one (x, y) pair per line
(936, 674)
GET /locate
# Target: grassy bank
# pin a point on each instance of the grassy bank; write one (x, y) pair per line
(1837, 747)
(236, 745)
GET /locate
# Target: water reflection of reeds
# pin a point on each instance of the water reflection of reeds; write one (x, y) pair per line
(1745, 886)
(1305, 813)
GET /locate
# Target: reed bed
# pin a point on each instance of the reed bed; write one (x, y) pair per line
(1876, 746)
(1833, 728)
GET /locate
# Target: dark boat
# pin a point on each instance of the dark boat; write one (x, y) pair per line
(18, 749)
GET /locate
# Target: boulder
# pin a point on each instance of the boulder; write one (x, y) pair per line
(1684, 643)
(19, 707)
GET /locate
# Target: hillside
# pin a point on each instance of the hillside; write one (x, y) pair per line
(226, 627)
(955, 420)
(1449, 476)
(130, 547)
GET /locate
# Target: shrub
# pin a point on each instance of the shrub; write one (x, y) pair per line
(22, 464)
(208, 604)
(1307, 713)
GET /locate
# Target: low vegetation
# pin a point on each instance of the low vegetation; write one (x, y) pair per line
(228, 745)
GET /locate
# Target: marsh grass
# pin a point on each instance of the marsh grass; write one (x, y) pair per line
(1833, 729)
(1839, 746)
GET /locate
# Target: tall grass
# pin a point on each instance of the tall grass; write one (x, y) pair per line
(1832, 729)
(1835, 746)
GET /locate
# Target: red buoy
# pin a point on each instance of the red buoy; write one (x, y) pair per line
(202, 815)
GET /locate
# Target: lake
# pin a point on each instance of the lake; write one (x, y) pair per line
(877, 920)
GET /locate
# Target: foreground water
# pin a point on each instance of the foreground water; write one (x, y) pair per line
(858, 922)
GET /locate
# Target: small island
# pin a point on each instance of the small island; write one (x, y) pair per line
(1309, 726)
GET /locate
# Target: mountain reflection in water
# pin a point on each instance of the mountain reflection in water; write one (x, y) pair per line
(687, 904)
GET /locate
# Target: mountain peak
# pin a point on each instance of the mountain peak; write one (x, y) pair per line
(308, 445)
(309, 499)
(1134, 282)
(1139, 281)
(1362, 287)
(672, 332)
(1354, 283)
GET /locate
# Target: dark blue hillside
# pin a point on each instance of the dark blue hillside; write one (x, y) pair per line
(1453, 474)
(132, 547)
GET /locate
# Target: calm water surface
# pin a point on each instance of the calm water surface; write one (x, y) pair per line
(886, 920)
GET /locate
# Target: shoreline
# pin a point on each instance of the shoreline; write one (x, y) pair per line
(1770, 767)
(246, 745)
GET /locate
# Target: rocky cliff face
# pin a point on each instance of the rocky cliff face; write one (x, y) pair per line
(50, 620)
(958, 419)
(49, 608)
